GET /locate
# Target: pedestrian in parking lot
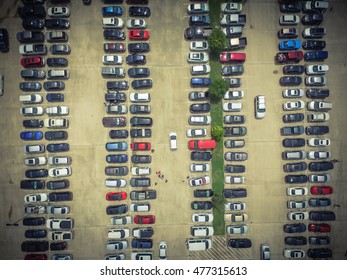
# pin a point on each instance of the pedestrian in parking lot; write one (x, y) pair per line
(166, 181)
(188, 177)
(183, 180)
(155, 183)
(152, 150)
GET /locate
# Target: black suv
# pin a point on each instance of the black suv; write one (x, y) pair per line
(60, 196)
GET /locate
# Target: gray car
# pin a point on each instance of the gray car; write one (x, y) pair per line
(140, 182)
(30, 86)
(235, 156)
(116, 170)
(235, 131)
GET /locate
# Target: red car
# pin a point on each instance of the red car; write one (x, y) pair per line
(114, 47)
(35, 61)
(138, 35)
(140, 146)
(295, 56)
(201, 144)
(319, 228)
(226, 57)
(36, 257)
(144, 219)
(322, 190)
(113, 196)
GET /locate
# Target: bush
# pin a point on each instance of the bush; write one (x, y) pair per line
(217, 132)
(217, 41)
(217, 89)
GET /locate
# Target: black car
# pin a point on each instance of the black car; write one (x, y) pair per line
(34, 246)
(138, 47)
(116, 170)
(136, 59)
(30, 86)
(60, 196)
(56, 135)
(235, 193)
(57, 62)
(201, 205)
(199, 20)
(36, 123)
(293, 142)
(32, 12)
(201, 156)
(203, 193)
(141, 121)
(37, 221)
(141, 159)
(115, 96)
(295, 240)
(317, 93)
(58, 85)
(320, 166)
(200, 108)
(290, 81)
(293, 69)
(119, 133)
(322, 216)
(119, 158)
(317, 129)
(296, 179)
(33, 24)
(313, 45)
(30, 37)
(140, 182)
(61, 147)
(116, 85)
(240, 243)
(295, 167)
(58, 185)
(33, 2)
(141, 84)
(319, 240)
(55, 97)
(138, 72)
(140, 109)
(229, 168)
(35, 233)
(4, 41)
(319, 202)
(36, 173)
(290, 7)
(140, 133)
(113, 34)
(32, 184)
(324, 253)
(139, 11)
(58, 246)
(294, 228)
(57, 23)
(312, 19)
(116, 209)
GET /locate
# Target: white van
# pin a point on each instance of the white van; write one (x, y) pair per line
(140, 207)
(58, 74)
(1, 84)
(201, 231)
(30, 98)
(198, 244)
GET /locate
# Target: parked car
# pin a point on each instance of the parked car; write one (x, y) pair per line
(294, 228)
(313, 45)
(322, 216)
(290, 81)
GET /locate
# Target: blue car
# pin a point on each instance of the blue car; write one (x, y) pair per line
(289, 45)
(200, 82)
(111, 11)
(31, 135)
(316, 55)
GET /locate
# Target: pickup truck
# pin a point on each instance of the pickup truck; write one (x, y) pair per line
(56, 123)
(60, 223)
(61, 235)
(197, 32)
(292, 130)
(33, 49)
(315, 6)
(142, 195)
(233, 20)
(237, 43)
(146, 232)
(295, 56)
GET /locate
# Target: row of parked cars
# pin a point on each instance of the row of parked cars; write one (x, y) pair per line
(59, 230)
(298, 202)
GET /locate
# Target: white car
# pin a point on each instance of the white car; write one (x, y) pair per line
(117, 245)
(35, 197)
(297, 191)
(162, 250)
(57, 111)
(298, 216)
(56, 123)
(173, 140)
(30, 98)
(291, 204)
(232, 107)
(199, 167)
(289, 19)
(200, 181)
(57, 160)
(293, 93)
(197, 57)
(294, 253)
(316, 81)
(109, 59)
(319, 178)
(61, 235)
(140, 97)
(234, 94)
(198, 46)
(35, 161)
(34, 209)
(33, 49)
(200, 69)
(31, 111)
(65, 224)
(260, 106)
(140, 170)
(118, 233)
(320, 117)
(115, 183)
(234, 179)
(238, 206)
(136, 24)
(317, 142)
(238, 229)
(198, 8)
(196, 132)
(199, 120)
(58, 11)
(318, 155)
(231, 8)
(235, 217)
(58, 210)
(202, 218)
(112, 22)
(293, 105)
(60, 172)
(317, 69)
